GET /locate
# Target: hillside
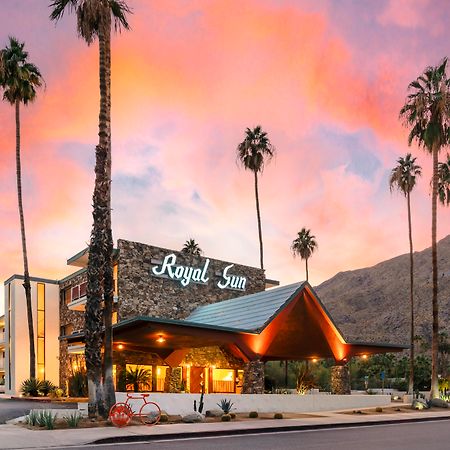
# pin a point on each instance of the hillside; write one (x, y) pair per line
(372, 304)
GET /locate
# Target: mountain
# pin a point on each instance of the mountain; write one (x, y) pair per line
(373, 305)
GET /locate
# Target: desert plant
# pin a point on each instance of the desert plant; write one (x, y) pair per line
(253, 414)
(78, 386)
(233, 415)
(139, 378)
(32, 418)
(31, 387)
(201, 404)
(73, 419)
(225, 418)
(46, 387)
(225, 405)
(378, 409)
(46, 419)
(278, 416)
(56, 393)
(164, 418)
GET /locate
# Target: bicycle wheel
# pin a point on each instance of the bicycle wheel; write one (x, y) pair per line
(150, 413)
(120, 414)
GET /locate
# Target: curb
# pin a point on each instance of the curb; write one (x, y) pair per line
(277, 429)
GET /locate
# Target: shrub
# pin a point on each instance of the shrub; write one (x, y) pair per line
(78, 386)
(32, 418)
(378, 409)
(46, 419)
(56, 393)
(253, 414)
(225, 405)
(226, 418)
(164, 418)
(278, 416)
(46, 387)
(233, 415)
(31, 387)
(73, 419)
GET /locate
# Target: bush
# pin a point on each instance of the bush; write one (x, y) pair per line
(233, 415)
(46, 419)
(78, 386)
(32, 418)
(164, 418)
(378, 409)
(73, 419)
(46, 387)
(253, 415)
(278, 416)
(225, 418)
(31, 387)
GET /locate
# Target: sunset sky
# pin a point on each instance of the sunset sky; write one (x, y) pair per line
(325, 79)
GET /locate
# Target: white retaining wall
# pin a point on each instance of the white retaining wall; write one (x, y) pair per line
(287, 403)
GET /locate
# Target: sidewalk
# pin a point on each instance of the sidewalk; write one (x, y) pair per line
(15, 437)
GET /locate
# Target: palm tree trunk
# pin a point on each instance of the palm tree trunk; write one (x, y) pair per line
(258, 216)
(411, 292)
(434, 393)
(26, 274)
(105, 142)
(306, 265)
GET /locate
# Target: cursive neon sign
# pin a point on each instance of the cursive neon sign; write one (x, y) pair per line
(187, 274)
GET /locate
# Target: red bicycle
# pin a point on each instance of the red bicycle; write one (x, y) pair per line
(121, 413)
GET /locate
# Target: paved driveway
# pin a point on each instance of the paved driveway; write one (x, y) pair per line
(10, 408)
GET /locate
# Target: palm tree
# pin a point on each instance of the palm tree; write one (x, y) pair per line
(426, 113)
(19, 80)
(444, 181)
(253, 153)
(191, 247)
(139, 378)
(304, 246)
(94, 20)
(403, 177)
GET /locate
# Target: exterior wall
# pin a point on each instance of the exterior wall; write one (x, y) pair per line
(17, 353)
(2, 353)
(143, 294)
(265, 403)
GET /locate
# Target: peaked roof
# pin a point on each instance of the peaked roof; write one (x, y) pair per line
(250, 313)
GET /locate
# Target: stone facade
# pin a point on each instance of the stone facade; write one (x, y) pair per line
(143, 294)
(253, 378)
(140, 293)
(340, 380)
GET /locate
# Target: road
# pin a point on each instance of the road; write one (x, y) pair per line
(410, 436)
(10, 408)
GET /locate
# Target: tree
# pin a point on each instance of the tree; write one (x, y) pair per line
(304, 246)
(94, 20)
(426, 113)
(191, 247)
(444, 181)
(19, 80)
(253, 153)
(403, 177)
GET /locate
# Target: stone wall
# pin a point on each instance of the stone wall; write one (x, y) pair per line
(143, 294)
(340, 380)
(253, 378)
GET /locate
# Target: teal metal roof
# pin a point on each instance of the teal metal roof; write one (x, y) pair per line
(249, 312)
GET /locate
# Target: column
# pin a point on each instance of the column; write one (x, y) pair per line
(340, 380)
(253, 378)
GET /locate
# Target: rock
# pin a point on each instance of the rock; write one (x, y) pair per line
(438, 403)
(214, 413)
(194, 417)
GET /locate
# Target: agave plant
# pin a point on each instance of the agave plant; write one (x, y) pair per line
(46, 387)
(225, 405)
(31, 387)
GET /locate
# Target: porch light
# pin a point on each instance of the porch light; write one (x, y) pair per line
(314, 360)
(364, 356)
(120, 347)
(160, 339)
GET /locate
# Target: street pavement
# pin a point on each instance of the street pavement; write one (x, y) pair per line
(411, 436)
(12, 408)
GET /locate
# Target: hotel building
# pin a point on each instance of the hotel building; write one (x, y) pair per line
(194, 323)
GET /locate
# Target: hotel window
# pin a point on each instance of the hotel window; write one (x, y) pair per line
(40, 356)
(115, 278)
(223, 380)
(9, 336)
(67, 296)
(114, 317)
